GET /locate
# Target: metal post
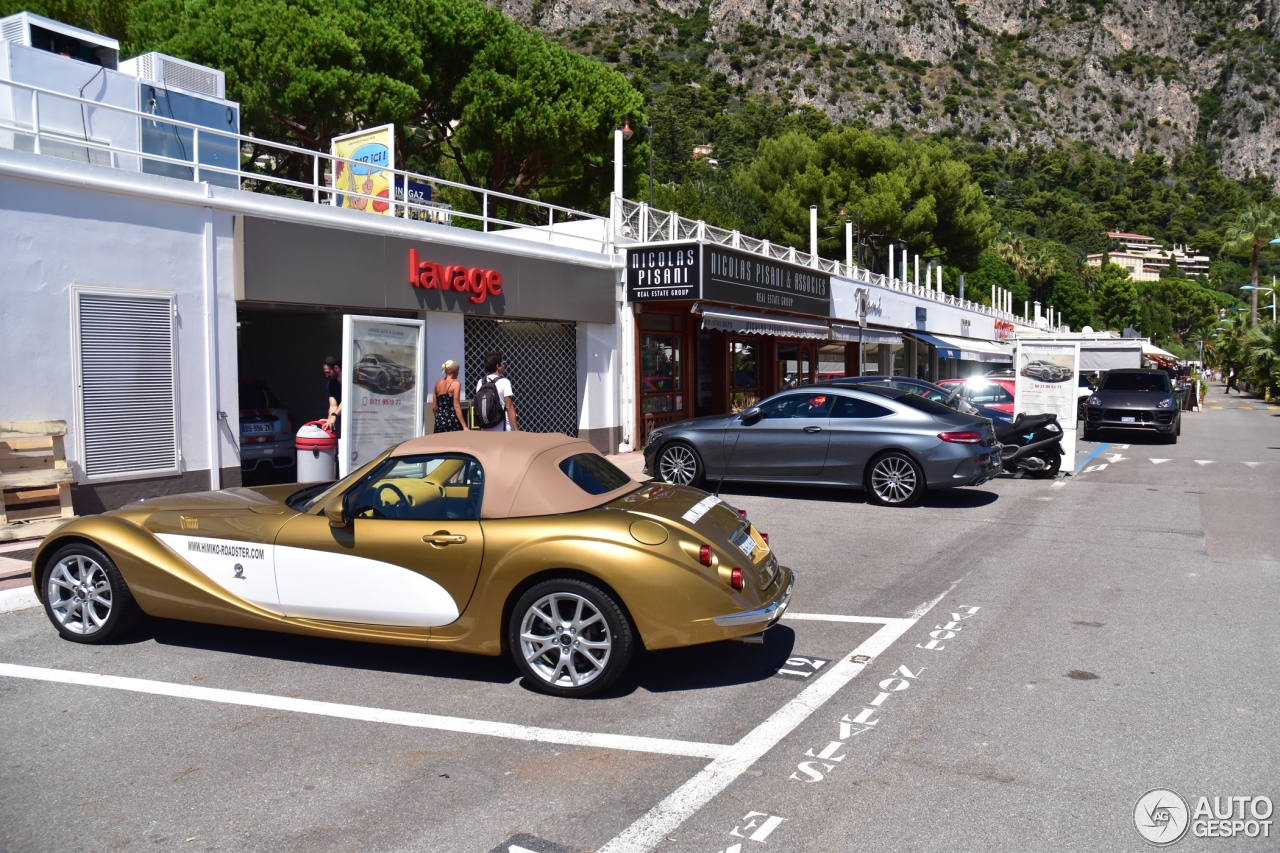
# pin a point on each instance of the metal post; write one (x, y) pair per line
(406, 195)
(484, 211)
(962, 287)
(315, 178)
(848, 246)
(813, 235)
(650, 129)
(917, 276)
(617, 162)
(891, 266)
(35, 120)
(195, 152)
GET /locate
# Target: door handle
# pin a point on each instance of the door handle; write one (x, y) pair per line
(444, 537)
(813, 429)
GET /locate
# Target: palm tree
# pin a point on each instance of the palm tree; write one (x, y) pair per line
(1263, 352)
(1254, 228)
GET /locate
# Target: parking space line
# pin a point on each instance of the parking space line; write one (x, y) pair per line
(1085, 461)
(832, 617)
(653, 828)
(658, 746)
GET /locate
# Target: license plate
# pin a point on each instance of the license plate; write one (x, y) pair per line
(252, 429)
(1128, 419)
(745, 543)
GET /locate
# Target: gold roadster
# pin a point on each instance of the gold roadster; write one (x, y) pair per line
(474, 541)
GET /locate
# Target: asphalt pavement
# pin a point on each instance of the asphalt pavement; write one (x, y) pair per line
(1003, 668)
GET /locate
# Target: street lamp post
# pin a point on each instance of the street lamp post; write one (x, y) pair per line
(1271, 290)
(627, 133)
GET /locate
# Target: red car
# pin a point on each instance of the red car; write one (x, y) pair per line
(993, 391)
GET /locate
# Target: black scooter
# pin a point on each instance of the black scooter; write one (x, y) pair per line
(1031, 443)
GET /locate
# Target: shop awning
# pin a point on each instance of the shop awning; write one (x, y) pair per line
(967, 349)
(841, 332)
(761, 324)
(1151, 350)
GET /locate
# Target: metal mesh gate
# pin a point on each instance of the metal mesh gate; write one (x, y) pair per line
(542, 364)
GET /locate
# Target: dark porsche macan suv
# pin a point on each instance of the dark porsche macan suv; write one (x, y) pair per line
(1133, 399)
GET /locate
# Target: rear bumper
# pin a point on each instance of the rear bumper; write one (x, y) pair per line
(762, 617)
(279, 453)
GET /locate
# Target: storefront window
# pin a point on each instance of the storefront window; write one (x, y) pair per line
(661, 374)
(871, 359)
(830, 361)
(898, 359)
(744, 375)
(704, 370)
(793, 364)
(922, 362)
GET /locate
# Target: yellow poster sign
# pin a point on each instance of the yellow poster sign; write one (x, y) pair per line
(370, 149)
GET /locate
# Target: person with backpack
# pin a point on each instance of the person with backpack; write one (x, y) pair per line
(494, 405)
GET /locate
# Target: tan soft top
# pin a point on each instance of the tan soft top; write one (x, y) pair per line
(522, 475)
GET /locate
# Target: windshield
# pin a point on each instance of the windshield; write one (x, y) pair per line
(1148, 382)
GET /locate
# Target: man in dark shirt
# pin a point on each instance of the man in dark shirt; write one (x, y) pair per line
(333, 391)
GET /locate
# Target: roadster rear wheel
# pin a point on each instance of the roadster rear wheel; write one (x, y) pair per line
(569, 637)
(85, 596)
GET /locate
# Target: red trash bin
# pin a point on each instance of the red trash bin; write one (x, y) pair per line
(317, 453)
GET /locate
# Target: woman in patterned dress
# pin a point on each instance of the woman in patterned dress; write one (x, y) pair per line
(445, 404)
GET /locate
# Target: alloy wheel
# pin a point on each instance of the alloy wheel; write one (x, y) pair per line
(893, 479)
(79, 594)
(678, 465)
(565, 640)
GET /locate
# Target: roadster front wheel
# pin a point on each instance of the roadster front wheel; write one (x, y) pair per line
(85, 597)
(569, 637)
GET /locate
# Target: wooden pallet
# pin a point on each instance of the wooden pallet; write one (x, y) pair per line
(35, 482)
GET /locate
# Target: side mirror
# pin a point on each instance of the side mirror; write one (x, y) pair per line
(335, 510)
(751, 417)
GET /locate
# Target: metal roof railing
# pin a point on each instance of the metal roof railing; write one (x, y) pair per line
(638, 222)
(257, 156)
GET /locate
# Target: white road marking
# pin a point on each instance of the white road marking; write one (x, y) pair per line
(19, 598)
(1116, 457)
(831, 617)
(631, 743)
(1204, 461)
(654, 827)
(1059, 484)
(1251, 464)
(1158, 461)
(1099, 467)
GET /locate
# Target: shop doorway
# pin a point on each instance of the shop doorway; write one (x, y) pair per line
(542, 364)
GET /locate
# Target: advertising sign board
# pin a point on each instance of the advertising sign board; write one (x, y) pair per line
(1046, 378)
(381, 399)
(743, 279)
(372, 147)
(664, 272)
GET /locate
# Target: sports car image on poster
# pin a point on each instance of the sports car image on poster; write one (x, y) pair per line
(531, 545)
(379, 373)
(1046, 371)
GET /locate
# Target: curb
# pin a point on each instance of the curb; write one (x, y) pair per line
(21, 598)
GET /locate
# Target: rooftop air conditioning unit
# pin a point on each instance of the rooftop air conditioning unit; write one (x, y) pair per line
(31, 30)
(174, 73)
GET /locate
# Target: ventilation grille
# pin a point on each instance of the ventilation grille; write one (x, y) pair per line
(190, 77)
(127, 389)
(176, 73)
(542, 364)
(14, 29)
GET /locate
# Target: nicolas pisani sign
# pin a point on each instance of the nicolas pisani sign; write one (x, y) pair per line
(691, 271)
(664, 272)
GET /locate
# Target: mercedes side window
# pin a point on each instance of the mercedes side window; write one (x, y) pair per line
(806, 405)
(421, 488)
(852, 407)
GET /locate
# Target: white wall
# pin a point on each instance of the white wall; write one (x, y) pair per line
(444, 341)
(598, 370)
(54, 237)
(62, 74)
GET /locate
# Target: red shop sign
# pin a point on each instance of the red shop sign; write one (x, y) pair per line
(1004, 329)
(480, 283)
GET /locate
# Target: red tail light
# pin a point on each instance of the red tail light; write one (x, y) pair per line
(704, 555)
(735, 578)
(765, 537)
(742, 513)
(968, 436)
